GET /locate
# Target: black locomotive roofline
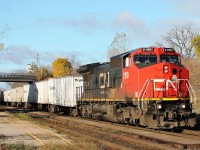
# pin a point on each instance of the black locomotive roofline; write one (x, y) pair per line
(115, 61)
(90, 67)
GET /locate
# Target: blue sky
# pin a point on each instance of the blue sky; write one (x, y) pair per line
(84, 28)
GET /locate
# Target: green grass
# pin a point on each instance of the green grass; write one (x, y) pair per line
(22, 116)
(18, 146)
(81, 145)
(78, 146)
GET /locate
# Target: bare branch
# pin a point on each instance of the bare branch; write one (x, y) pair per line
(75, 63)
(4, 31)
(180, 37)
(120, 44)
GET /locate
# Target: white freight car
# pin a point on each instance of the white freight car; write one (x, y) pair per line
(53, 94)
(14, 97)
(7, 96)
(41, 92)
(18, 94)
(29, 95)
(62, 92)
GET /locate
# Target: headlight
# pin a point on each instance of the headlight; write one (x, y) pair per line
(159, 106)
(183, 106)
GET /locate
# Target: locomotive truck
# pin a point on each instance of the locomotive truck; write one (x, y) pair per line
(146, 86)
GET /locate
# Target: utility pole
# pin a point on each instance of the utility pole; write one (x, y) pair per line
(37, 59)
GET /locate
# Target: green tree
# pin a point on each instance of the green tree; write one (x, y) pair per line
(61, 67)
(196, 45)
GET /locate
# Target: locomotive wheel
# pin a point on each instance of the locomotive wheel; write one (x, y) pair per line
(39, 107)
(74, 112)
(26, 105)
(150, 122)
(89, 116)
(51, 108)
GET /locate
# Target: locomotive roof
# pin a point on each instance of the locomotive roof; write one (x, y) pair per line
(145, 49)
(124, 54)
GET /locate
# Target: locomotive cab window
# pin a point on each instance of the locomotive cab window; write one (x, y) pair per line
(170, 58)
(104, 80)
(101, 80)
(126, 62)
(145, 60)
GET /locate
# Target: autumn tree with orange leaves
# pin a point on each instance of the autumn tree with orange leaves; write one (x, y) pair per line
(61, 67)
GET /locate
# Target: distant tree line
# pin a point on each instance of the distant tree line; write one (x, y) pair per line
(60, 67)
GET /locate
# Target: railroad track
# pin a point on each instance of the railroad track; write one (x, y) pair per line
(125, 135)
(111, 139)
(119, 136)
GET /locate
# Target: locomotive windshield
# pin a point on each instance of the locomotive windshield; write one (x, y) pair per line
(170, 58)
(144, 60)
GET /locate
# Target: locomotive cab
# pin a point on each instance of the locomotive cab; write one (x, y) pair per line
(153, 65)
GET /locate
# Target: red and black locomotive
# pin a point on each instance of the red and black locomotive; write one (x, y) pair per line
(146, 86)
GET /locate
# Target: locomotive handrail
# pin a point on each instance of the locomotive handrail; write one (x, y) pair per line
(191, 92)
(147, 81)
(146, 84)
(144, 90)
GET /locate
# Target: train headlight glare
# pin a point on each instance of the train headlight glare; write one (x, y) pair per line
(159, 106)
(183, 106)
(166, 67)
(166, 71)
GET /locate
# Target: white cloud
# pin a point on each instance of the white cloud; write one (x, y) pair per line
(161, 27)
(188, 7)
(131, 23)
(17, 54)
(83, 56)
(86, 25)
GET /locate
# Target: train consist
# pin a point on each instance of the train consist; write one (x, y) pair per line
(53, 95)
(146, 86)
